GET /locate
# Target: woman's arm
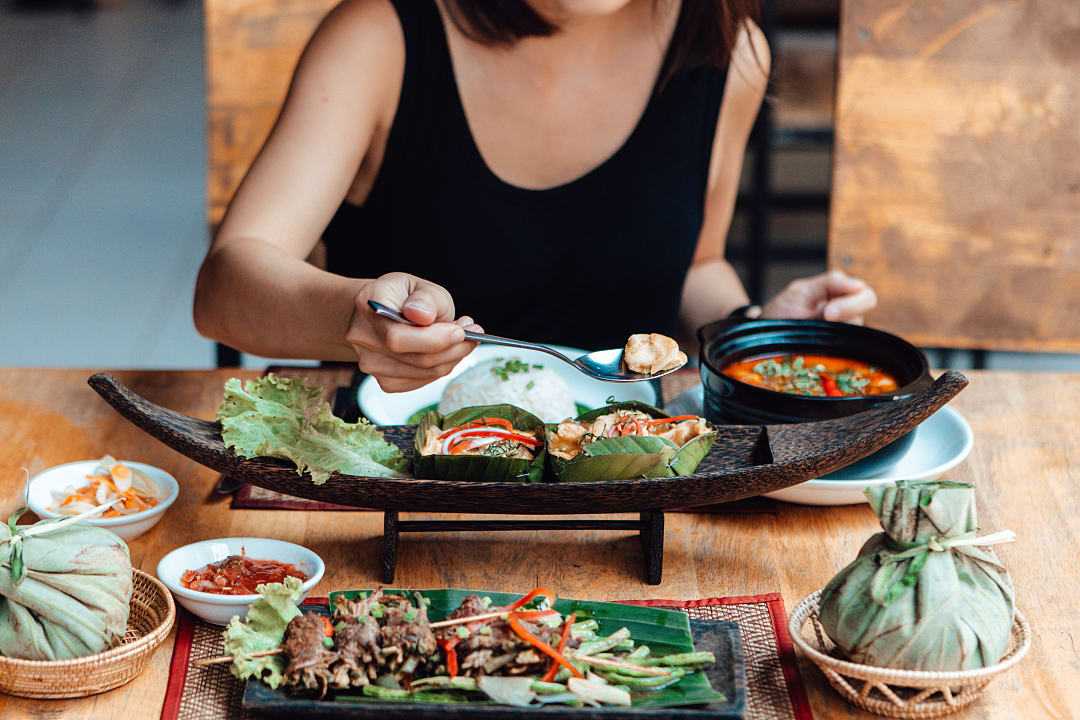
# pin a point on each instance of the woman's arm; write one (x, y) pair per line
(712, 288)
(255, 290)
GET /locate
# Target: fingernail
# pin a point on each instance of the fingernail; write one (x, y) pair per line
(465, 321)
(475, 328)
(831, 313)
(418, 306)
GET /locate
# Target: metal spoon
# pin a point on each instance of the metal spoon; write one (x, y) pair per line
(606, 365)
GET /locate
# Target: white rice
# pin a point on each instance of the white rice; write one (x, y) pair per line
(539, 390)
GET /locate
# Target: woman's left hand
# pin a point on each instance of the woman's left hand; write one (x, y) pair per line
(830, 296)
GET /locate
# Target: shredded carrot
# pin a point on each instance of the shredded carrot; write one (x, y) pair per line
(524, 634)
(554, 669)
(535, 592)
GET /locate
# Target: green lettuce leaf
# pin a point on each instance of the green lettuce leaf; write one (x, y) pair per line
(263, 629)
(286, 418)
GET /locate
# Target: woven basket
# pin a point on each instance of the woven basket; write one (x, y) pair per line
(151, 619)
(899, 693)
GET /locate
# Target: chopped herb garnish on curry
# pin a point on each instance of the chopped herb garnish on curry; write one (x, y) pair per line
(818, 375)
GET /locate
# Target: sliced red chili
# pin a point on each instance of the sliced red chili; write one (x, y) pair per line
(482, 422)
(524, 634)
(531, 595)
(829, 386)
(677, 418)
(447, 645)
(554, 669)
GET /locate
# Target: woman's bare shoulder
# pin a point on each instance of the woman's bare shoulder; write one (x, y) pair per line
(358, 35)
(751, 60)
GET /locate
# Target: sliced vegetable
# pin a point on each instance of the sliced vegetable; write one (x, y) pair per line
(568, 626)
(515, 691)
(523, 633)
(598, 693)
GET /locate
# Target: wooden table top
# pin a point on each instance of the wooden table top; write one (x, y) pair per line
(1025, 429)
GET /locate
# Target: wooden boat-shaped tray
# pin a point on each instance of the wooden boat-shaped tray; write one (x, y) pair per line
(746, 460)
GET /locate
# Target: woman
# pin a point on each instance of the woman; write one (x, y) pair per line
(560, 170)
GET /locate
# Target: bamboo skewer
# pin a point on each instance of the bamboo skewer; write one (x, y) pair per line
(220, 659)
(477, 618)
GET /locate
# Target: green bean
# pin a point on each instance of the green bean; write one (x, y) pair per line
(640, 652)
(585, 626)
(382, 693)
(547, 688)
(603, 644)
(444, 682)
(642, 683)
(681, 660)
(625, 646)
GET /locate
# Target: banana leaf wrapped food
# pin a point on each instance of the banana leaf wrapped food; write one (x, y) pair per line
(65, 590)
(627, 440)
(484, 443)
(926, 594)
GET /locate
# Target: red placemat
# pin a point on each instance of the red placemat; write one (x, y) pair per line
(774, 686)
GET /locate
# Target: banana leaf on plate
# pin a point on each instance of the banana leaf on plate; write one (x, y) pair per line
(666, 632)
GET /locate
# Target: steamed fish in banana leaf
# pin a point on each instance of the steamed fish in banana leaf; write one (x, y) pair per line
(628, 440)
(488, 443)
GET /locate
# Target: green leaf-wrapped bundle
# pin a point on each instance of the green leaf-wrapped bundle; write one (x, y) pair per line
(923, 595)
(63, 594)
(629, 456)
(503, 461)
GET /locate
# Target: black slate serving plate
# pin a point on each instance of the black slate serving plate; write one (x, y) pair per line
(728, 676)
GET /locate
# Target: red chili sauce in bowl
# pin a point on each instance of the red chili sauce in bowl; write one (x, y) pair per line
(238, 575)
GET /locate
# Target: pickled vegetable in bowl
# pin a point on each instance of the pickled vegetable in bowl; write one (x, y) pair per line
(131, 491)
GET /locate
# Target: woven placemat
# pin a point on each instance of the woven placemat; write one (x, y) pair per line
(775, 689)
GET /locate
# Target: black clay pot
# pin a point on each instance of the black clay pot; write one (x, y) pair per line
(729, 401)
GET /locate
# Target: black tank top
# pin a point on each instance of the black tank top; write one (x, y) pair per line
(586, 263)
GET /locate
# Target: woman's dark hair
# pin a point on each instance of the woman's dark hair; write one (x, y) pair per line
(704, 35)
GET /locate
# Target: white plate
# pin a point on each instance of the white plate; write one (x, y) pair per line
(219, 609)
(941, 443)
(384, 408)
(39, 495)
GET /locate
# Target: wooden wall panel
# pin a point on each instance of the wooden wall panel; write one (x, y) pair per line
(956, 185)
(251, 50)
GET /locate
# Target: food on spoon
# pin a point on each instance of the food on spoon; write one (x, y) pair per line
(238, 575)
(286, 418)
(510, 380)
(651, 353)
(384, 645)
(110, 480)
(486, 443)
(628, 440)
(65, 590)
(819, 375)
(925, 594)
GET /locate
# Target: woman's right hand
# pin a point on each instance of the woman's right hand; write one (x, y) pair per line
(403, 357)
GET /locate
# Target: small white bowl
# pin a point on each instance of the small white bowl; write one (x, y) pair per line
(219, 609)
(39, 495)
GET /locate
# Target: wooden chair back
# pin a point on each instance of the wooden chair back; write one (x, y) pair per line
(956, 181)
(251, 51)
